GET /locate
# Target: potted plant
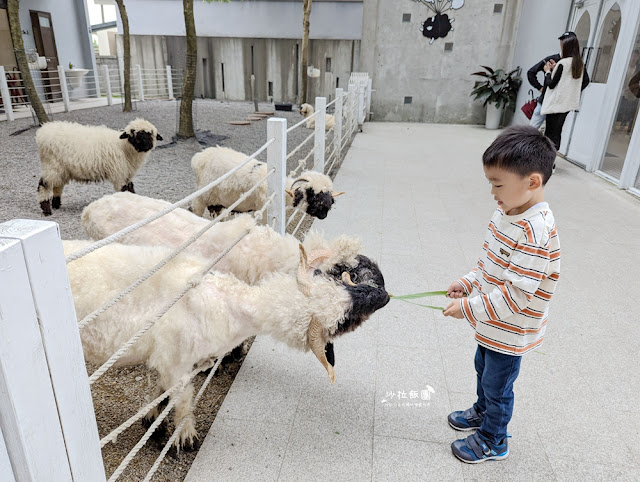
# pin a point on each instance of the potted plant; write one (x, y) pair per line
(497, 91)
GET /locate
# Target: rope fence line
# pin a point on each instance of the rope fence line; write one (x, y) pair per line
(191, 284)
(132, 341)
(123, 232)
(92, 316)
(177, 430)
(147, 435)
(259, 215)
(295, 151)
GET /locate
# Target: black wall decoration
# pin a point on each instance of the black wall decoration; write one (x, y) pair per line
(439, 25)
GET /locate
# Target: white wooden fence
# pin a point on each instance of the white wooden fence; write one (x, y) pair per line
(48, 428)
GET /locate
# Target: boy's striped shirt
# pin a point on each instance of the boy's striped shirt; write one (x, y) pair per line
(512, 285)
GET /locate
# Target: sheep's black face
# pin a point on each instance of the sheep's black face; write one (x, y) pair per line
(141, 141)
(365, 271)
(366, 300)
(368, 296)
(318, 204)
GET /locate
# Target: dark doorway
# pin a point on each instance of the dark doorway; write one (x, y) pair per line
(46, 47)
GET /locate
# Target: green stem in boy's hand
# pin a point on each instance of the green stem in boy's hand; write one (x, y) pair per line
(424, 306)
(420, 295)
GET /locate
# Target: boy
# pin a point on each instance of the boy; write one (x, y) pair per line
(512, 286)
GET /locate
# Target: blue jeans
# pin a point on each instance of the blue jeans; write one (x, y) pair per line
(496, 374)
(537, 118)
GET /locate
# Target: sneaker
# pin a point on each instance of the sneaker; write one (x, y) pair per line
(474, 449)
(467, 420)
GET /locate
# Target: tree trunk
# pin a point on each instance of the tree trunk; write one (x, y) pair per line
(186, 104)
(127, 56)
(13, 7)
(305, 49)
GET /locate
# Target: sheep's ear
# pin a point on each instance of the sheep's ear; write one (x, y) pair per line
(159, 137)
(290, 193)
(124, 135)
(302, 277)
(304, 260)
(336, 194)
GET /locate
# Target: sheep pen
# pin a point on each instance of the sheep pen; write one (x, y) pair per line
(167, 176)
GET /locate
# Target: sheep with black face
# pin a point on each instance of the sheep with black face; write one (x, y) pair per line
(311, 192)
(307, 312)
(72, 152)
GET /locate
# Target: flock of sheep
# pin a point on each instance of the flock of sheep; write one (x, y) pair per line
(305, 295)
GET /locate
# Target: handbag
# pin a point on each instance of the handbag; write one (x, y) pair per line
(530, 106)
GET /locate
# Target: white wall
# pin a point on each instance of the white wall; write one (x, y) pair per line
(246, 19)
(542, 22)
(68, 18)
(404, 64)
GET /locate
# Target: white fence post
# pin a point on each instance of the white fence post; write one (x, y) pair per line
(277, 159)
(28, 415)
(170, 83)
(50, 294)
(140, 88)
(337, 132)
(108, 85)
(64, 88)
(318, 154)
(350, 113)
(6, 97)
(361, 105)
(5, 462)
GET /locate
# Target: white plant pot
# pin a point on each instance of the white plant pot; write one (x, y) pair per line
(494, 115)
(75, 77)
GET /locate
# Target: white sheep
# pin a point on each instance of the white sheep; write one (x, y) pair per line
(72, 152)
(307, 111)
(303, 311)
(311, 192)
(261, 252)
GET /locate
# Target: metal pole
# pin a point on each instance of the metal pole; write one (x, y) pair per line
(107, 84)
(170, 83)
(140, 88)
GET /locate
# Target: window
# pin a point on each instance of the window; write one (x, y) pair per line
(406, 17)
(408, 100)
(328, 64)
(606, 45)
(583, 30)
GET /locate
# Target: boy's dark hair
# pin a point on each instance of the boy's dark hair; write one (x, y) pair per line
(521, 150)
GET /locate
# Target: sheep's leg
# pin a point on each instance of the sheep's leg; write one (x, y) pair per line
(215, 210)
(198, 206)
(188, 438)
(45, 194)
(127, 187)
(57, 197)
(150, 417)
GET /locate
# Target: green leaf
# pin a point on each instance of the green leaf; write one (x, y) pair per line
(421, 295)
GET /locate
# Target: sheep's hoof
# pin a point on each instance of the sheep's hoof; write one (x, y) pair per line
(160, 432)
(56, 202)
(46, 208)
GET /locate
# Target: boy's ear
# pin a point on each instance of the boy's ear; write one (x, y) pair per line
(535, 180)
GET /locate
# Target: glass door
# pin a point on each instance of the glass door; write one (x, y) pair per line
(625, 120)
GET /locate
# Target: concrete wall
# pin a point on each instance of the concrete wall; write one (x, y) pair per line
(70, 27)
(274, 60)
(537, 38)
(247, 19)
(403, 63)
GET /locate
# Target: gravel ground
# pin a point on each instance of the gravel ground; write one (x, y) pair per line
(167, 175)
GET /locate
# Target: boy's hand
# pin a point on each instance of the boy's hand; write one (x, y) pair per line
(455, 290)
(454, 310)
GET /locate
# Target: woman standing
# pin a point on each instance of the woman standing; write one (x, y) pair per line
(564, 81)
